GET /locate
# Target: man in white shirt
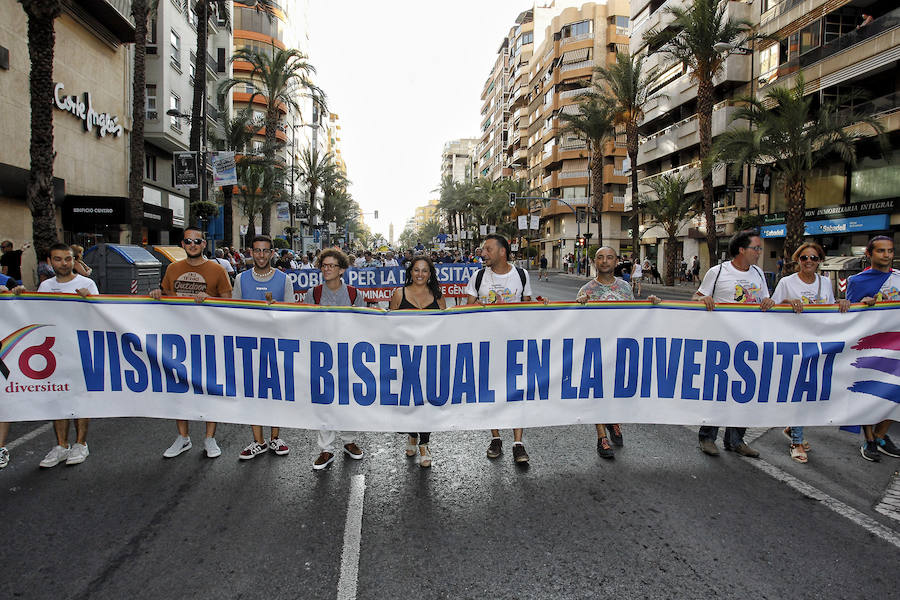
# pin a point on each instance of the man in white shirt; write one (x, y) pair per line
(220, 258)
(497, 283)
(305, 264)
(67, 281)
(740, 281)
(390, 261)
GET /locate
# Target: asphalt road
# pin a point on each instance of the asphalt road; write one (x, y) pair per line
(661, 520)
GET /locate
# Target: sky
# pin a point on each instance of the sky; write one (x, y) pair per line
(405, 77)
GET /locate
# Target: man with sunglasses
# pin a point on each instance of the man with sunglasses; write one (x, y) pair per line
(200, 278)
(736, 281)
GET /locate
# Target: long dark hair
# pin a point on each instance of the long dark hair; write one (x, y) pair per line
(432, 283)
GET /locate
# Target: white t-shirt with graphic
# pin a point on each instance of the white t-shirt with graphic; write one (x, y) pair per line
(69, 287)
(792, 288)
(890, 289)
(499, 288)
(734, 285)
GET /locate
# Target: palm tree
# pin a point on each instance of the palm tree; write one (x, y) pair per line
(793, 136)
(670, 208)
(140, 11)
(315, 169)
(630, 85)
(238, 134)
(692, 40)
(39, 194)
(258, 181)
(595, 122)
(281, 79)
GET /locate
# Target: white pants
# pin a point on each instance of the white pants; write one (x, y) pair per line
(325, 439)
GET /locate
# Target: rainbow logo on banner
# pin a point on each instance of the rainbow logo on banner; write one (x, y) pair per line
(885, 387)
(10, 342)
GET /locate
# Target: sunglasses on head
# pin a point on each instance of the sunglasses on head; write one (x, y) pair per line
(814, 258)
(194, 241)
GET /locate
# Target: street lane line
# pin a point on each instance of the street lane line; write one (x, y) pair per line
(867, 523)
(30, 435)
(890, 503)
(346, 589)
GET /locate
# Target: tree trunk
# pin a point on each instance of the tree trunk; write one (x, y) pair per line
(39, 193)
(228, 215)
(597, 187)
(671, 250)
(140, 11)
(794, 220)
(631, 140)
(704, 122)
(266, 220)
(271, 141)
(198, 120)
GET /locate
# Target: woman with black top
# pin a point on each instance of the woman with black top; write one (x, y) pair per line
(420, 291)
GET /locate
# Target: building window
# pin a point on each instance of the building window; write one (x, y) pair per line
(175, 104)
(151, 34)
(582, 28)
(150, 167)
(175, 42)
(768, 59)
(810, 37)
(257, 147)
(192, 66)
(150, 102)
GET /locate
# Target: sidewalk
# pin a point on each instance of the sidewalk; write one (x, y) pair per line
(680, 291)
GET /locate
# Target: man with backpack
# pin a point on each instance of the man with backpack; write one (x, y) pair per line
(736, 281)
(334, 292)
(498, 283)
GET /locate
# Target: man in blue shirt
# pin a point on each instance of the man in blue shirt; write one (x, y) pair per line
(263, 282)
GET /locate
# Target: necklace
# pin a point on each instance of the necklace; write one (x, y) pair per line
(265, 273)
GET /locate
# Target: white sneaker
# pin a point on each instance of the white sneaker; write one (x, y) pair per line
(212, 448)
(278, 446)
(77, 454)
(4, 457)
(252, 450)
(57, 455)
(181, 444)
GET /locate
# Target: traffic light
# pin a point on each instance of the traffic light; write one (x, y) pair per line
(512, 199)
(581, 242)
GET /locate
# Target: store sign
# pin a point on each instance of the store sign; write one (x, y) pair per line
(832, 226)
(186, 169)
(82, 108)
(840, 210)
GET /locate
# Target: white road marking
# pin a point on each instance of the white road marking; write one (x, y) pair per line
(30, 435)
(346, 589)
(889, 506)
(890, 503)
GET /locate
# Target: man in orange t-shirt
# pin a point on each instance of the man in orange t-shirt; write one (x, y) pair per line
(196, 277)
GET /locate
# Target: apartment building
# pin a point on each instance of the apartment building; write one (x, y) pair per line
(839, 45)
(543, 68)
(333, 135)
(457, 158)
(171, 64)
(426, 213)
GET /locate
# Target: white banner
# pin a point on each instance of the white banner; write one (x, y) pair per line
(224, 169)
(483, 229)
(535, 222)
(468, 368)
(523, 221)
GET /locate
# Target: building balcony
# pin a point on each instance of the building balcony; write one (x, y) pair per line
(613, 203)
(566, 153)
(617, 35)
(549, 157)
(615, 148)
(575, 39)
(613, 175)
(549, 182)
(685, 134)
(690, 171)
(572, 95)
(520, 157)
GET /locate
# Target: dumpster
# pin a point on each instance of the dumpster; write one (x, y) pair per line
(120, 269)
(168, 254)
(838, 269)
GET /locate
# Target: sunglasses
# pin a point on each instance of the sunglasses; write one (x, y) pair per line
(194, 241)
(805, 258)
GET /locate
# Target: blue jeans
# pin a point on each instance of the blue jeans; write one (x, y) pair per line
(796, 435)
(734, 436)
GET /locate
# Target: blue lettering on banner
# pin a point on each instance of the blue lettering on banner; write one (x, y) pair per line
(345, 373)
(382, 277)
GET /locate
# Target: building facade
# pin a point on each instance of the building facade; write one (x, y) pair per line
(91, 76)
(457, 158)
(838, 50)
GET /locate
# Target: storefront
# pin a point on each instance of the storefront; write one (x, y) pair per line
(89, 220)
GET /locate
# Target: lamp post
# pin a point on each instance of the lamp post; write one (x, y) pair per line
(743, 51)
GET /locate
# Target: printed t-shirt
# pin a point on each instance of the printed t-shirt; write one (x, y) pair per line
(617, 290)
(734, 285)
(182, 279)
(792, 288)
(499, 288)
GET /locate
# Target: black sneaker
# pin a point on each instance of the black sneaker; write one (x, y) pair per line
(615, 434)
(869, 451)
(604, 449)
(519, 454)
(886, 446)
(495, 448)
